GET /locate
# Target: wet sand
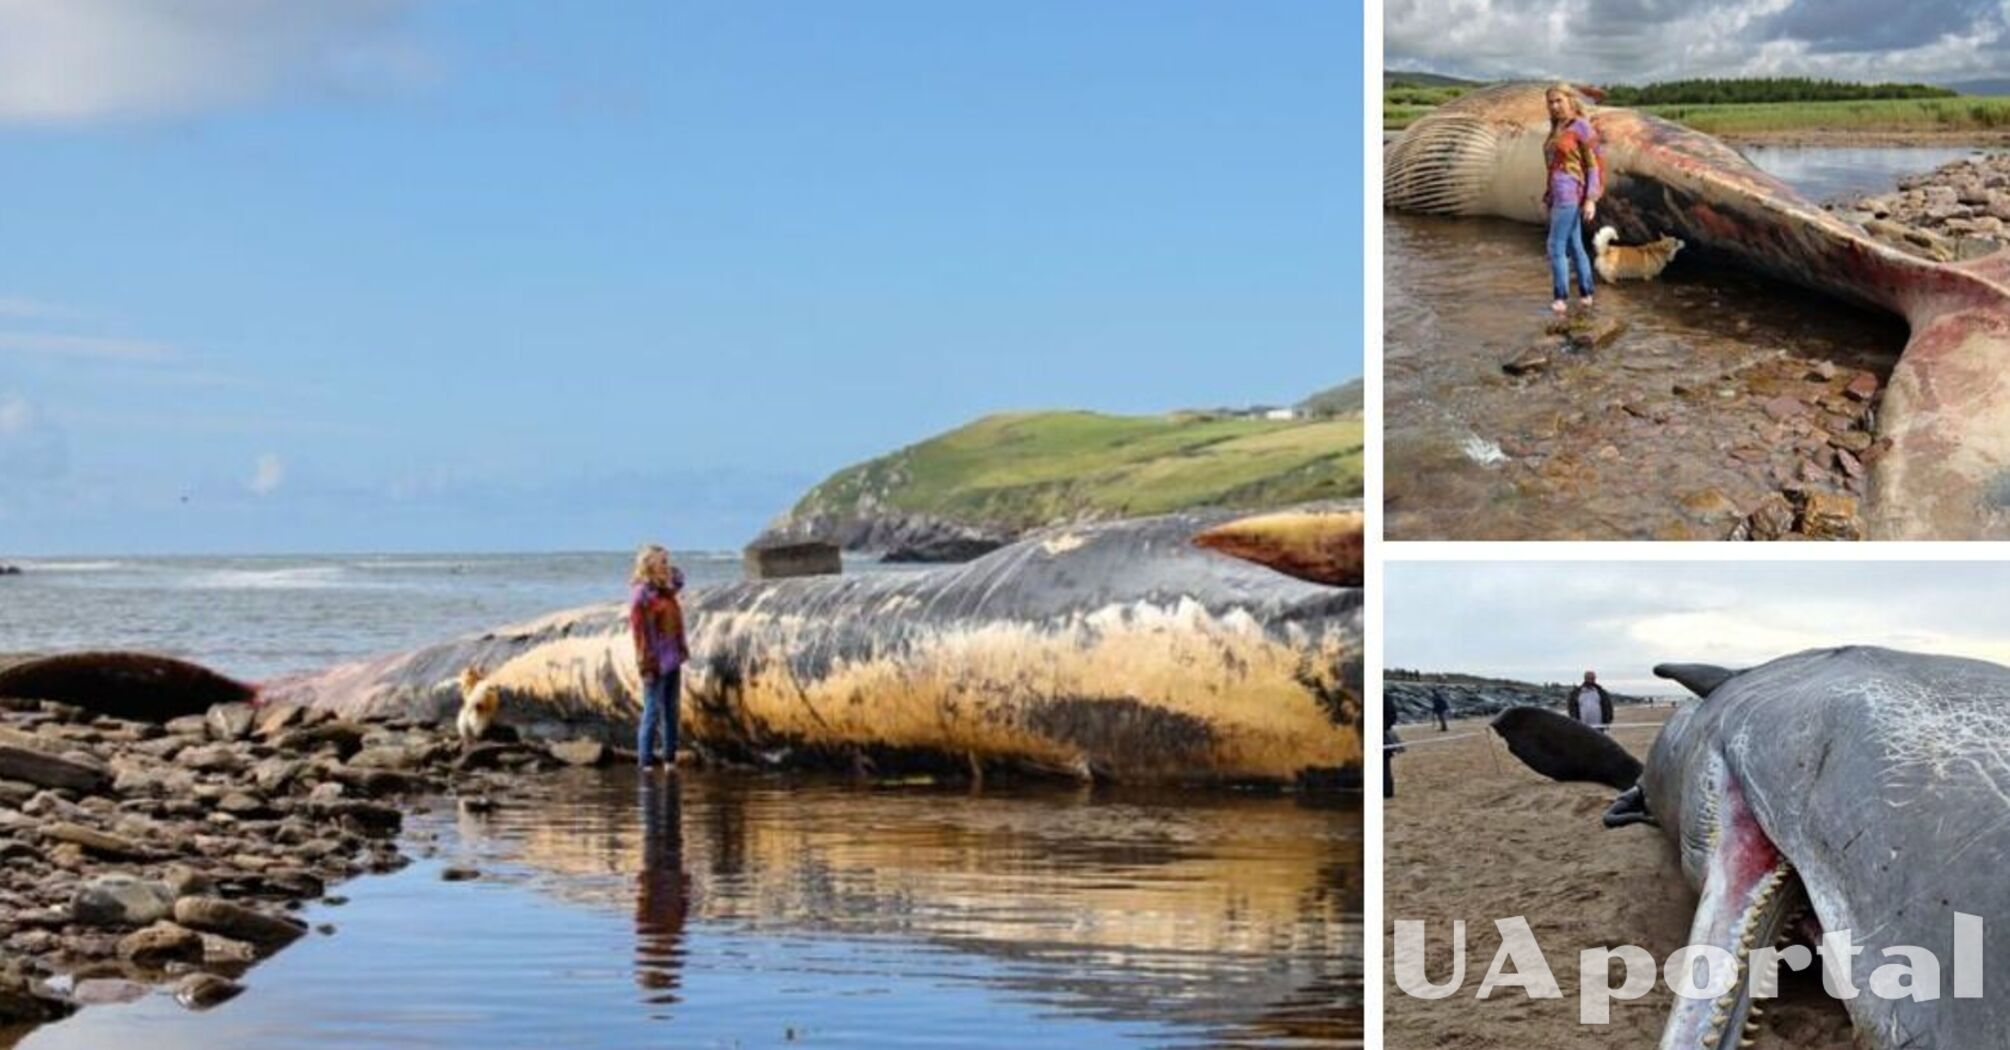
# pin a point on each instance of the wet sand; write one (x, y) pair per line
(1474, 835)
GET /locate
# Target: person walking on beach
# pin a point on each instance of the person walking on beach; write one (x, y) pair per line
(1392, 745)
(1575, 181)
(656, 621)
(1590, 703)
(1441, 707)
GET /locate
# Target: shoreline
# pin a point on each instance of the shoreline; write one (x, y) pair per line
(142, 855)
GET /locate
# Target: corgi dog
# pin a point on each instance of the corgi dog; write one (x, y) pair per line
(1621, 262)
(479, 701)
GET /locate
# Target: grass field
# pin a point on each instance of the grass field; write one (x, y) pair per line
(1923, 116)
(1027, 469)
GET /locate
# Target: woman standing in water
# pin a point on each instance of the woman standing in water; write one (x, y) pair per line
(656, 621)
(1570, 193)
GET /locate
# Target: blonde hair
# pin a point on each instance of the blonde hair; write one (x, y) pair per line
(642, 573)
(1569, 98)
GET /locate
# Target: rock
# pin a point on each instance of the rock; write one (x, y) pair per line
(101, 843)
(121, 900)
(51, 771)
(275, 774)
(275, 719)
(160, 944)
(1530, 360)
(367, 819)
(230, 721)
(384, 758)
(580, 752)
(1772, 519)
(1831, 516)
(101, 991)
(1784, 407)
(214, 758)
(458, 874)
(200, 991)
(218, 950)
(185, 881)
(20, 1005)
(345, 737)
(377, 782)
(1851, 466)
(268, 933)
(244, 806)
(1711, 505)
(188, 725)
(489, 756)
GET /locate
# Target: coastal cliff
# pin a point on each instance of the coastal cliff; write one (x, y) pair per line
(959, 494)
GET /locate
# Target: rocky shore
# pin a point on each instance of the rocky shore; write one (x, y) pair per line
(1802, 442)
(141, 854)
(1956, 211)
(1474, 697)
(892, 535)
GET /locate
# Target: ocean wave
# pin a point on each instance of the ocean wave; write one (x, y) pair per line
(299, 577)
(75, 566)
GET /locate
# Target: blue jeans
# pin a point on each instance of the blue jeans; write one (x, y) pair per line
(659, 712)
(1566, 242)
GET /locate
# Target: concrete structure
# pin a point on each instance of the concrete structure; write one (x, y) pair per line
(780, 560)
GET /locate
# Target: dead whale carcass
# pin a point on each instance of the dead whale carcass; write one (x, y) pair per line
(1119, 650)
(1870, 785)
(1946, 411)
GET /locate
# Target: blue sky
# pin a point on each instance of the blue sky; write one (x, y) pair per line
(413, 274)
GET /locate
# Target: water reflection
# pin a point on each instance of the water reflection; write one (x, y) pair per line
(706, 909)
(662, 890)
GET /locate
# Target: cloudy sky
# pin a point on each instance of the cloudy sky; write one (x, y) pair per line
(1551, 621)
(296, 275)
(1638, 41)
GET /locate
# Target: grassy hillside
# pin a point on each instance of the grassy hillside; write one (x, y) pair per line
(1342, 400)
(1024, 470)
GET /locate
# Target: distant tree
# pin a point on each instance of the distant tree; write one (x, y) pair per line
(1719, 91)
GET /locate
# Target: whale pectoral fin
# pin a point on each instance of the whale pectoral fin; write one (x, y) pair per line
(1320, 546)
(1629, 808)
(1563, 749)
(1700, 679)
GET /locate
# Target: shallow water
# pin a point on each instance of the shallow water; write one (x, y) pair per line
(737, 911)
(1662, 435)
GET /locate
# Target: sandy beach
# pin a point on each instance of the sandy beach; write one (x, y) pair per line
(1472, 834)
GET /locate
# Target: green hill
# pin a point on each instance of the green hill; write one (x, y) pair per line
(1342, 400)
(990, 481)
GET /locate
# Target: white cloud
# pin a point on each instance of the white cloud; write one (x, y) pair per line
(1549, 621)
(94, 348)
(23, 307)
(66, 61)
(1638, 41)
(268, 474)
